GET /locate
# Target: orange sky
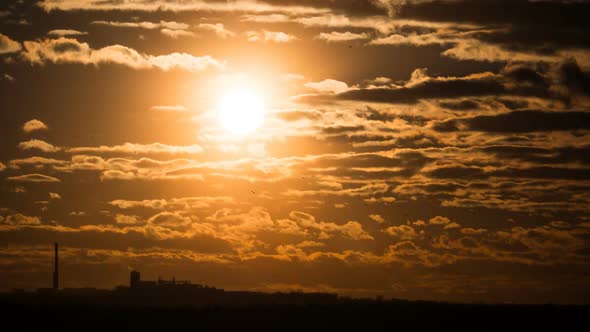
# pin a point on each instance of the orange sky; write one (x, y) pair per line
(412, 149)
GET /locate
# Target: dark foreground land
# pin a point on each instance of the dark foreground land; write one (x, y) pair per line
(58, 315)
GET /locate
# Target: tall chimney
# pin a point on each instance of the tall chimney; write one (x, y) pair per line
(55, 269)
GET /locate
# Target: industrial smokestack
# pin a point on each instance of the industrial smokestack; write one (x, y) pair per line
(55, 269)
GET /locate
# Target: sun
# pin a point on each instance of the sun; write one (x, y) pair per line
(241, 111)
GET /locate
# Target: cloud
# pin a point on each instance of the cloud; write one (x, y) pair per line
(7, 77)
(328, 85)
(241, 228)
(522, 16)
(66, 32)
(38, 162)
(350, 229)
(518, 122)
(123, 219)
(481, 51)
(177, 33)
(298, 115)
(384, 199)
(34, 125)
(419, 223)
(38, 145)
(495, 12)
(183, 203)
(2, 167)
(20, 220)
(544, 241)
(310, 244)
(425, 88)
(392, 6)
(54, 196)
(452, 225)
(364, 191)
(506, 37)
(535, 246)
(381, 24)
(414, 40)
(169, 108)
(8, 45)
(377, 218)
(269, 36)
(171, 29)
(171, 220)
(565, 82)
(77, 213)
(439, 220)
(542, 172)
(135, 174)
(218, 28)
(460, 105)
(110, 236)
(67, 50)
(402, 232)
(422, 86)
(190, 5)
(133, 148)
(267, 18)
(473, 231)
(145, 25)
(119, 168)
(336, 37)
(467, 31)
(33, 178)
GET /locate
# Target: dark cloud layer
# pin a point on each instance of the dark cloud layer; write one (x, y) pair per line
(519, 122)
(532, 14)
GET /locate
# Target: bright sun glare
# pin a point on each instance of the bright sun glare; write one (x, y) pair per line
(241, 111)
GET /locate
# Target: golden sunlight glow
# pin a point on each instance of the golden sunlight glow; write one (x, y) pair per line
(241, 111)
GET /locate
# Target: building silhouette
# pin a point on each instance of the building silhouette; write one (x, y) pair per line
(136, 282)
(173, 292)
(184, 292)
(134, 279)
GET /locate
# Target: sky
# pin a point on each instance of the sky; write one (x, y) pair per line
(416, 149)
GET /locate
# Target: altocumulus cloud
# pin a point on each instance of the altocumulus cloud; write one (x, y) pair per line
(218, 28)
(35, 144)
(140, 148)
(54, 196)
(171, 29)
(68, 50)
(166, 5)
(335, 36)
(8, 45)
(172, 25)
(66, 32)
(34, 125)
(19, 220)
(33, 178)
(328, 85)
(269, 36)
